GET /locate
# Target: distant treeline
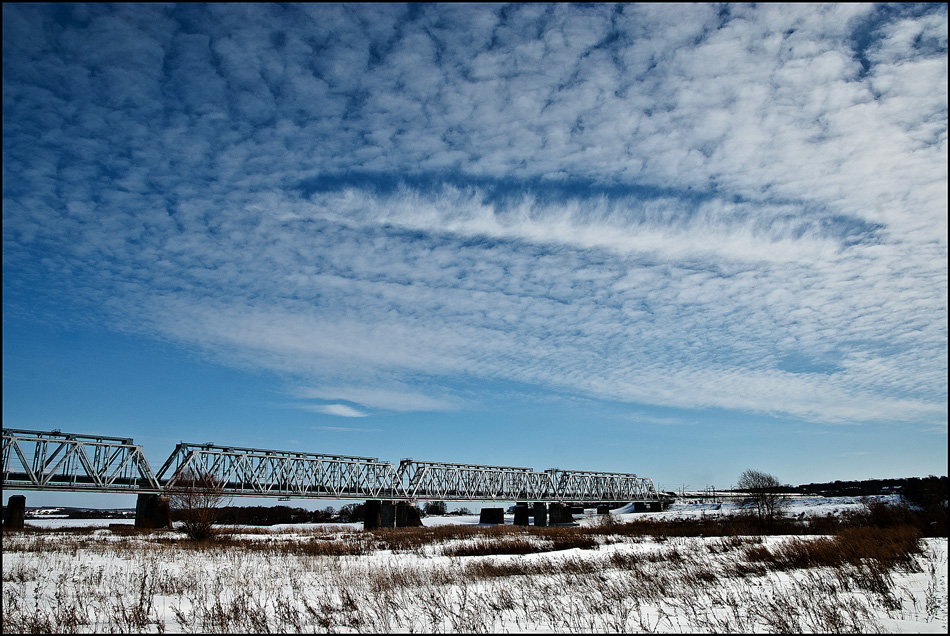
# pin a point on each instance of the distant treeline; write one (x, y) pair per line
(270, 515)
(916, 490)
(86, 513)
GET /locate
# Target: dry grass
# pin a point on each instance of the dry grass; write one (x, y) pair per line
(609, 578)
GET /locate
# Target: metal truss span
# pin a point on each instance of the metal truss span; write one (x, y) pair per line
(575, 485)
(39, 460)
(34, 460)
(268, 473)
(471, 482)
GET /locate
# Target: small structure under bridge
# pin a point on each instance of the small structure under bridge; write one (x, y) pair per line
(52, 460)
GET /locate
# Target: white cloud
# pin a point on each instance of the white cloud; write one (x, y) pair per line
(402, 399)
(341, 410)
(631, 202)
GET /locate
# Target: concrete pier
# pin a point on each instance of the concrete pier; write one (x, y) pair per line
(152, 512)
(521, 513)
(407, 515)
(493, 516)
(387, 514)
(371, 514)
(560, 513)
(15, 514)
(540, 515)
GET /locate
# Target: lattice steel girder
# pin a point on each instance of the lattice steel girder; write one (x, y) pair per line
(255, 472)
(576, 485)
(471, 482)
(475, 482)
(40, 460)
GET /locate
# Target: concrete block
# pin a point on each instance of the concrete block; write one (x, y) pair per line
(521, 514)
(15, 515)
(371, 514)
(407, 515)
(493, 516)
(540, 515)
(387, 515)
(152, 512)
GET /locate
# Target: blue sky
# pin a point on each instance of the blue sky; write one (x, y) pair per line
(673, 240)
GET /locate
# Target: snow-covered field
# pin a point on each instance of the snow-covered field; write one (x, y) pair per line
(322, 578)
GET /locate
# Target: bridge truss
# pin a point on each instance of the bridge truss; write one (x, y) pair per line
(39, 460)
(34, 460)
(268, 473)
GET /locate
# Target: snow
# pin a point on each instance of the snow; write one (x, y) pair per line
(679, 585)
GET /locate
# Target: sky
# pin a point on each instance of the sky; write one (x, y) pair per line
(672, 240)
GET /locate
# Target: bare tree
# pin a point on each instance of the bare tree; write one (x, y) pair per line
(197, 498)
(765, 492)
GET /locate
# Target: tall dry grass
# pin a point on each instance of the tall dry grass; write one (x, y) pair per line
(609, 578)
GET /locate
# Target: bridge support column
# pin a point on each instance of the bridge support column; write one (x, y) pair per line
(15, 515)
(387, 515)
(152, 511)
(407, 515)
(521, 513)
(371, 514)
(560, 513)
(493, 516)
(540, 515)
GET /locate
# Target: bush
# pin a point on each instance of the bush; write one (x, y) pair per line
(196, 500)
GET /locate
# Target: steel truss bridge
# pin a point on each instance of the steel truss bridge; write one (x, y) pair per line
(43, 460)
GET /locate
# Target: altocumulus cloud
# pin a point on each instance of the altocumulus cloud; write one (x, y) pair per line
(708, 206)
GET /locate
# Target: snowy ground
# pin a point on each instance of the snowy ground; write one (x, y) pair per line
(109, 582)
(813, 506)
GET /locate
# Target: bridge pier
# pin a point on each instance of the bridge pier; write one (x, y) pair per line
(152, 512)
(560, 513)
(15, 514)
(540, 515)
(407, 515)
(372, 514)
(386, 514)
(492, 516)
(521, 513)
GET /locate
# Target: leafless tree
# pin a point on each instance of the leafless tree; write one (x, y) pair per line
(197, 499)
(434, 508)
(765, 492)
